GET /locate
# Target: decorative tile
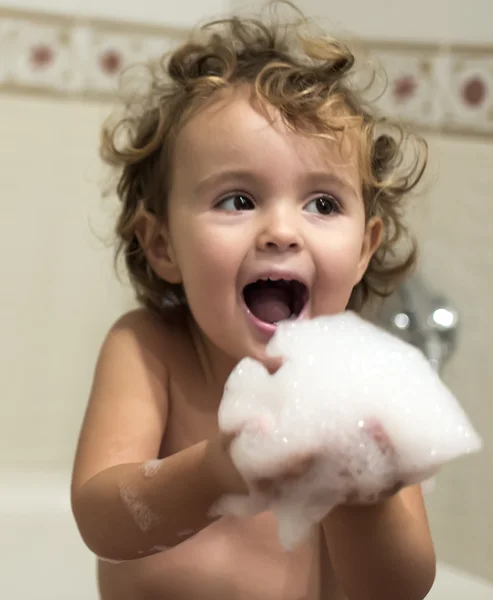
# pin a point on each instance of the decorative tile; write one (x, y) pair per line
(63, 56)
(411, 91)
(111, 52)
(448, 90)
(437, 88)
(470, 103)
(37, 56)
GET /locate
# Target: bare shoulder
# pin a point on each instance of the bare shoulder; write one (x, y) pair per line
(146, 328)
(155, 339)
(127, 412)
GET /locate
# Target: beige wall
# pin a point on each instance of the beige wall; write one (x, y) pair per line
(58, 291)
(454, 223)
(164, 12)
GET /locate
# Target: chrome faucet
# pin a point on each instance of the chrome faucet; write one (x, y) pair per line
(422, 318)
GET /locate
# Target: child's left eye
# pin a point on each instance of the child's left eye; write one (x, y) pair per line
(236, 202)
(323, 205)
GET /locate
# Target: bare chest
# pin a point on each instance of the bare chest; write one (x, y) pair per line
(240, 559)
(236, 558)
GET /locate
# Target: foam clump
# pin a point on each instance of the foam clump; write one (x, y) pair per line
(364, 407)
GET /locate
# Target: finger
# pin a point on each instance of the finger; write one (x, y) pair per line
(299, 468)
(273, 363)
(265, 485)
(380, 436)
(272, 485)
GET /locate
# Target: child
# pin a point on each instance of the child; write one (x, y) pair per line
(255, 187)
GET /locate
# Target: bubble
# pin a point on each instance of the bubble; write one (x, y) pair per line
(110, 560)
(151, 467)
(186, 533)
(360, 400)
(143, 516)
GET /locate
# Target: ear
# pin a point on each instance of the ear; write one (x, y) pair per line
(371, 242)
(156, 243)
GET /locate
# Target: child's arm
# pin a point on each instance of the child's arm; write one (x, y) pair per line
(383, 551)
(121, 513)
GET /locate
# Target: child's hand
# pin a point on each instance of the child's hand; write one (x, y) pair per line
(290, 472)
(272, 363)
(299, 466)
(386, 447)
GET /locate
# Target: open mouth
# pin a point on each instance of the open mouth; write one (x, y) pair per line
(271, 301)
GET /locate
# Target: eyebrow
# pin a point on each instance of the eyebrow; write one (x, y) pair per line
(321, 178)
(315, 179)
(220, 177)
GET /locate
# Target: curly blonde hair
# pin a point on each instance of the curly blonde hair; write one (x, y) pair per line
(307, 78)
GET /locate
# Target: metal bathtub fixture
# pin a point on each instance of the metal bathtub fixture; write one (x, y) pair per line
(423, 318)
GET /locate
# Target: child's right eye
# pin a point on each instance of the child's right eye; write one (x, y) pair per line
(236, 202)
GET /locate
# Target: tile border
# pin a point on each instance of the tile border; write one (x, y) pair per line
(437, 88)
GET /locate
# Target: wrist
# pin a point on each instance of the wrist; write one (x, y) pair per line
(223, 471)
(359, 513)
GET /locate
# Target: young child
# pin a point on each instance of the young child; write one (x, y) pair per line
(255, 187)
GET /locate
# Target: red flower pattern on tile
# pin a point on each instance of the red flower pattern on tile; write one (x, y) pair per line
(474, 91)
(404, 88)
(41, 56)
(111, 62)
(454, 87)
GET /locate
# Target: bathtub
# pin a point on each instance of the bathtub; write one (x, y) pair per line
(43, 558)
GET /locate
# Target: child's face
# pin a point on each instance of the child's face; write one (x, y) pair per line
(251, 199)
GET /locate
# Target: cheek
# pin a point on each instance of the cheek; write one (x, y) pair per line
(339, 276)
(345, 262)
(337, 269)
(208, 262)
(340, 249)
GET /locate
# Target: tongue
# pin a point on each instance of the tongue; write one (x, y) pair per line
(270, 304)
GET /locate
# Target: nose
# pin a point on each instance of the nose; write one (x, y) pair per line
(280, 233)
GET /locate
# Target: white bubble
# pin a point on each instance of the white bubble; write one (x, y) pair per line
(110, 560)
(158, 549)
(364, 402)
(186, 533)
(151, 467)
(142, 514)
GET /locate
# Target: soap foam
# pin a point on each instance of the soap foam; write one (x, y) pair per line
(185, 533)
(152, 551)
(142, 514)
(367, 405)
(151, 467)
(110, 560)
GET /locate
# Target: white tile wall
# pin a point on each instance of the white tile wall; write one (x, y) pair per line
(454, 223)
(59, 293)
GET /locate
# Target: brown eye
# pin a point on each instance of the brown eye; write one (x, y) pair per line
(323, 205)
(236, 202)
